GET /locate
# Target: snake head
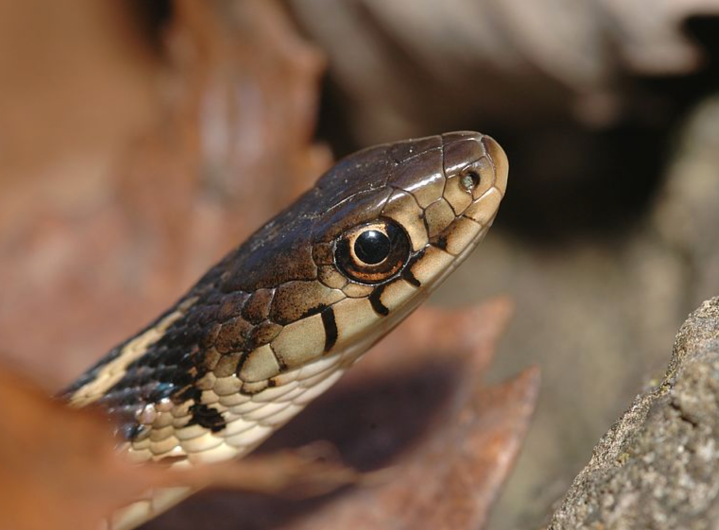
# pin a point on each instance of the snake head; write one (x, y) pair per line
(368, 244)
(280, 318)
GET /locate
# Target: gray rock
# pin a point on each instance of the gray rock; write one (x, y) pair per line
(658, 466)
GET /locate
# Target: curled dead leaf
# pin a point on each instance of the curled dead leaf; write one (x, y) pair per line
(59, 467)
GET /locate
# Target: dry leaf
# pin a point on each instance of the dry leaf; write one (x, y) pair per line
(59, 468)
(193, 151)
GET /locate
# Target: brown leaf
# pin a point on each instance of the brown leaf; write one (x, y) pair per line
(59, 466)
(414, 412)
(152, 166)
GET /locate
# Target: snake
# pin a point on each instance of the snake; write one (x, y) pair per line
(279, 319)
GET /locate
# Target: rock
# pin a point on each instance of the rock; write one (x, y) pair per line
(658, 466)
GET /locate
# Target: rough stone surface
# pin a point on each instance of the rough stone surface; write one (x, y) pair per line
(658, 466)
(598, 314)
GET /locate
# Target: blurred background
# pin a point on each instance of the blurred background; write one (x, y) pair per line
(140, 140)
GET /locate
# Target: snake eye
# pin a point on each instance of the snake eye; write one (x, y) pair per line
(372, 246)
(373, 252)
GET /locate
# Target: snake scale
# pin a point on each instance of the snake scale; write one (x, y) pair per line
(278, 320)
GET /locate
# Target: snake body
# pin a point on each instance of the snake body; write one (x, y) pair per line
(279, 319)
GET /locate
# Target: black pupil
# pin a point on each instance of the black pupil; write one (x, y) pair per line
(372, 247)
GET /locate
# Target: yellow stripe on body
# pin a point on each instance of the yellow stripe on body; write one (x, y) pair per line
(113, 371)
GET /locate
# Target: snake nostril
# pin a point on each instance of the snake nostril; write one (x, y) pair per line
(469, 180)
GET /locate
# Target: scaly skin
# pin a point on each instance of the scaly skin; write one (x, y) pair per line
(282, 317)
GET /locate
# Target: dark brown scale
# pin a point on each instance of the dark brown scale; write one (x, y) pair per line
(232, 335)
(227, 365)
(323, 254)
(262, 334)
(210, 335)
(404, 151)
(210, 359)
(295, 300)
(257, 307)
(406, 175)
(228, 308)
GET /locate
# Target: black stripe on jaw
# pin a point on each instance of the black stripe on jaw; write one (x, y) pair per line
(407, 271)
(330, 324)
(375, 299)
